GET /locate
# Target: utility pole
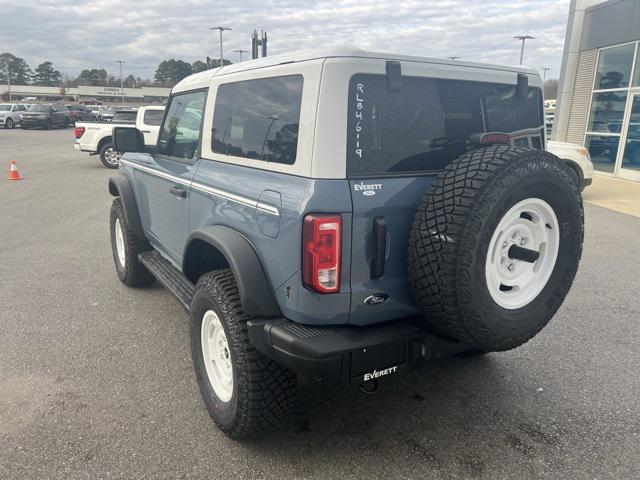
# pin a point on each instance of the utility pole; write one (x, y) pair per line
(523, 38)
(221, 29)
(121, 80)
(241, 52)
(544, 75)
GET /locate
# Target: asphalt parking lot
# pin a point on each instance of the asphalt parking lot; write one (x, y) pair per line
(96, 379)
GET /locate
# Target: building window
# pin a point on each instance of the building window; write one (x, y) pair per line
(607, 112)
(614, 67)
(611, 90)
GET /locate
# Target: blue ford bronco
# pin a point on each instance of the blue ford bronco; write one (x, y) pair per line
(341, 215)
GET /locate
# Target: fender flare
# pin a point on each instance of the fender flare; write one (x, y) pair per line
(254, 288)
(120, 186)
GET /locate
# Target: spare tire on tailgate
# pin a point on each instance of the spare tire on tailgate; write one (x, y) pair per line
(495, 246)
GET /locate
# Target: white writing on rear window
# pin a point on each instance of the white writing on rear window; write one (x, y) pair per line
(358, 113)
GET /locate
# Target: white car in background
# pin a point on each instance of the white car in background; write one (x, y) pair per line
(10, 114)
(577, 157)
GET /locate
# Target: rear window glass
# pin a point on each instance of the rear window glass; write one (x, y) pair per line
(427, 123)
(153, 117)
(125, 116)
(258, 119)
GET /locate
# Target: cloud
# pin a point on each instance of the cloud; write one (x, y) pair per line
(78, 35)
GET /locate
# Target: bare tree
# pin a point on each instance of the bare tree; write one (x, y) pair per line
(550, 88)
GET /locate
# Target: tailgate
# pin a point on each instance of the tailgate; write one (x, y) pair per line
(391, 204)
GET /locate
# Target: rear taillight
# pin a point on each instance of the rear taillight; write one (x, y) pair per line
(494, 138)
(79, 132)
(321, 239)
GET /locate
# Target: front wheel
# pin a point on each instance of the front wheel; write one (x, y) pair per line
(9, 123)
(245, 392)
(126, 247)
(109, 156)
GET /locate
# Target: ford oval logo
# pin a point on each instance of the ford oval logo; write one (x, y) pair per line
(369, 193)
(376, 299)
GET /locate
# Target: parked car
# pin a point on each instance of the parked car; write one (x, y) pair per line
(577, 157)
(95, 137)
(102, 112)
(46, 115)
(80, 113)
(10, 114)
(341, 215)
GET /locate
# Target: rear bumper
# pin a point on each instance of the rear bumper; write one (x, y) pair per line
(32, 123)
(345, 354)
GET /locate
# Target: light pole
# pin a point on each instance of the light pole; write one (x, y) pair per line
(121, 80)
(544, 75)
(523, 38)
(221, 29)
(241, 52)
(6, 62)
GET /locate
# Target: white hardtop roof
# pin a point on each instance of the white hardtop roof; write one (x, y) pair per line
(202, 79)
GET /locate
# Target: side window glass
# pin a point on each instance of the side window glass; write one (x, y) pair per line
(258, 119)
(181, 131)
(153, 117)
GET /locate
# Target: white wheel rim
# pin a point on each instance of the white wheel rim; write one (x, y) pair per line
(119, 242)
(530, 224)
(216, 356)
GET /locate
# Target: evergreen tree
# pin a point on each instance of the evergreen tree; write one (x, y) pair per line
(15, 69)
(46, 75)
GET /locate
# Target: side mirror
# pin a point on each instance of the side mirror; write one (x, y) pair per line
(128, 139)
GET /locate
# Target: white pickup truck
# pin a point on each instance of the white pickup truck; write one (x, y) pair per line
(95, 137)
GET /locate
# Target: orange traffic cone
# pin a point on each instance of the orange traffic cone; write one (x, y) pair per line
(13, 173)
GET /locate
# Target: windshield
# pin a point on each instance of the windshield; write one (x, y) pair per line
(39, 108)
(429, 122)
(5, 108)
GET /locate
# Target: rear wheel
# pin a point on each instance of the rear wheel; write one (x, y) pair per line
(495, 246)
(109, 156)
(245, 392)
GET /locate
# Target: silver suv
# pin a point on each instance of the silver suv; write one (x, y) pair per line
(10, 114)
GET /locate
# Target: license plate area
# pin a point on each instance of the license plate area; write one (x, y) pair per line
(378, 361)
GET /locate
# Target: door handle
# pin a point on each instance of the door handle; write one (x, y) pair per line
(178, 192)
(145, 131)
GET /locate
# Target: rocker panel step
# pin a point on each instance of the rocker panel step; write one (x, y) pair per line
(169, 276)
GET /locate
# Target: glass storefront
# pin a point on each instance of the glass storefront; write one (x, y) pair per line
(613, 126)
(631, 156)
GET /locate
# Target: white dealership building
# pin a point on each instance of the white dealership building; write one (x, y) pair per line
(599, 93)
(139, 94)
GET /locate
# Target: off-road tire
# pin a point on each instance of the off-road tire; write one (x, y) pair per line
(133, 274)
(103, 155)
(451, 233)
(264, 393)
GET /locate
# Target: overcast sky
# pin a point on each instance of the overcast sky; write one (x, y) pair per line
(78, 35)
